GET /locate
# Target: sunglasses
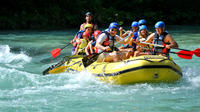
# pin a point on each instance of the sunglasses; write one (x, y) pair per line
(114, 29)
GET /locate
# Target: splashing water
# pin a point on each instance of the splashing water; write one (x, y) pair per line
(23, 88)
(11, 59)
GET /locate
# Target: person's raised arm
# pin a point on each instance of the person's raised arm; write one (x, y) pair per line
(150, 38)
(87, 48)
(91, 49)
(126, 41)
(120, 32)
(82, 27)
(76, 50)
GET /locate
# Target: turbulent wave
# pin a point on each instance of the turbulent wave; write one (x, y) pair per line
(12, 59)
(19, 89)
(192, 76)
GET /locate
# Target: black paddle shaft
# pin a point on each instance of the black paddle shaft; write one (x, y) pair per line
(65, 46)
(88, 60)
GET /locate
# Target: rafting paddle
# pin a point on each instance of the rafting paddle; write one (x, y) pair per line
(196, 51)
(87, 60)
(184, 54)
(57, 51)
(59, 64)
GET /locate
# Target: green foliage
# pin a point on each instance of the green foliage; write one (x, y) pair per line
(62, 14)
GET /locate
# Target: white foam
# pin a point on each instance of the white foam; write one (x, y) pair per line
(81, 79)
(195, 81)
(12, 59)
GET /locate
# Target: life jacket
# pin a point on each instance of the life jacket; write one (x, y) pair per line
(92, 38)
(135, 35)
(82, 26)
(82, 45)
(160, 41)
(80, 33)
(108, 41)
(76, 36)
(75, 43)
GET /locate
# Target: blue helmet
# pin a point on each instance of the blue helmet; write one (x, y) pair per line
(134, 24)
(142, 22)
(160, 24)
(114, 25)
(142, 27)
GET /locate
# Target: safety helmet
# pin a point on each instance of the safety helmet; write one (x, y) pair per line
(96, 33)
(134, 24)
(88, 13)
(88, 26)
(86, 34)
(142, 27)
(160, 24)
(142, 22)
(114, 25)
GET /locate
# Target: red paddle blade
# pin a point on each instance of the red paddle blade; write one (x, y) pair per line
(197, 52)
(55, 52)
(185, 54)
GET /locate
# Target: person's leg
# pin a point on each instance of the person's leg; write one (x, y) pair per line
(130, 53)
(116, 56)
(137, 53)
(147, 53)
(105, 57)
(101, 57)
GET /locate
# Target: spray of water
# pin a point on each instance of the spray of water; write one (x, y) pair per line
(11, 59)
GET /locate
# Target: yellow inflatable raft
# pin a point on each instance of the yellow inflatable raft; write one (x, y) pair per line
(141, 69)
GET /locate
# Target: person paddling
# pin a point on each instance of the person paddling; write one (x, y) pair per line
(89, 18)
(106, 41)
(161, 37)
(143, 34)
(87, 28)
(90, 49)
(131, 46)
(82, 43)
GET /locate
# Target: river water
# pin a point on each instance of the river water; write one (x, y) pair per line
(25, 54)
